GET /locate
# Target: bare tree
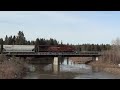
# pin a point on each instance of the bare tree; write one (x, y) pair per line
(113, 55)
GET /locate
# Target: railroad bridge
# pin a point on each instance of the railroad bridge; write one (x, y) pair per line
(55, 54)
(45, 51)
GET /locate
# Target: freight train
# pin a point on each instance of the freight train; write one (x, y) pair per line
(54, 48)
(34, 49)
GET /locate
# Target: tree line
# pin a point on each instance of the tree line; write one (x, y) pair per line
(92, 47)
(20, 39)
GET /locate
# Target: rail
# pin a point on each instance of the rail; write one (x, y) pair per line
(55, 53)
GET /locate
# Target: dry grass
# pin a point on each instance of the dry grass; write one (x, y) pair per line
(107, 67)
(81, 60)
(103, 64)
(11, 69)
(112, 70)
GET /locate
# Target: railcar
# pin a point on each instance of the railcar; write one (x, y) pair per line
(55, 48)
(18, 49)
(39, 48)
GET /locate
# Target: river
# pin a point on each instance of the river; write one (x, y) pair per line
(68, 71)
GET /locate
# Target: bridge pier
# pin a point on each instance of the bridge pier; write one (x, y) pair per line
(61, 60)
(95, 58)
(55, 65)
(55, 62)
(67, 60)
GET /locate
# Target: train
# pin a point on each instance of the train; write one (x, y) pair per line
(34, 48)
(55, 48)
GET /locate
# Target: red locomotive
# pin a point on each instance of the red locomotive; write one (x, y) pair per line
(55, 48)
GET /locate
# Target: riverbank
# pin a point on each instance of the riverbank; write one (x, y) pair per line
(80, 60)
(106, 67)
(13, 68)
(17, 68)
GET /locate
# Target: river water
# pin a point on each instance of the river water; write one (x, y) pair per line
(67, 71)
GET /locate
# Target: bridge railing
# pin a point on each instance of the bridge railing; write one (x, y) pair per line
(56, 53)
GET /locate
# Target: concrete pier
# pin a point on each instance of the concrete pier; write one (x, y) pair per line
(95, 58)
(55, 62)
(55, 65)
(67, 60)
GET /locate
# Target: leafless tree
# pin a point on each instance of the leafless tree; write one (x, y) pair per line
(113, 55)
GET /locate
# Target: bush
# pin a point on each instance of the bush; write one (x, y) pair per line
(11, 69)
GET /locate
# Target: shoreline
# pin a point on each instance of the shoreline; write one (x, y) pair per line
(109, 68)
(12, 68)
(103, 66)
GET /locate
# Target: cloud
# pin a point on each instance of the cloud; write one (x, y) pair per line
(66, 26)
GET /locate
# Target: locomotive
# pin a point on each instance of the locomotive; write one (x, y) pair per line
(54, 48)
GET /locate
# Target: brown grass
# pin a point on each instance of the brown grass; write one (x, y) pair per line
(107, 67)
(11, 69)
(81, 60)
(103, 64)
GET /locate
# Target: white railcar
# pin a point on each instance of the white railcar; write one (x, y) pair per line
(18, 48)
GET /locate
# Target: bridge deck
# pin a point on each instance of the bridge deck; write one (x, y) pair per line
(80, 54)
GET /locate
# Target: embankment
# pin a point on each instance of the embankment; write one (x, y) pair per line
(80, 60)
(13, 68)
(107, 67)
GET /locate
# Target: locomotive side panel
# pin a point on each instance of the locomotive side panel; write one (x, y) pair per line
(58, 48)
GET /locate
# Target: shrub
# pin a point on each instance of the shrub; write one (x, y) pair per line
(13, 68)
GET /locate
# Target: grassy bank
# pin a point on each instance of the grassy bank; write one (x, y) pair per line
(13, 68)
(107, 67)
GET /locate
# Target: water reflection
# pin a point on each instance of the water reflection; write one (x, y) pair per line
(71, 67)
(67, 70)
(77, 68)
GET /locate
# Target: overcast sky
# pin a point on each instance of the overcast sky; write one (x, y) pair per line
(69, 26)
